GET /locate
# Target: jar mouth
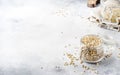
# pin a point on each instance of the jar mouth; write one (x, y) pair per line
(92, 40)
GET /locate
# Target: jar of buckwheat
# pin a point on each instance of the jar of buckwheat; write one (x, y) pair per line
(92, 49)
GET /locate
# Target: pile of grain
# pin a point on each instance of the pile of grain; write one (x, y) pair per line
(91, 40)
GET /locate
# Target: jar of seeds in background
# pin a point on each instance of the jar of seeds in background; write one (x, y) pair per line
(92, 49)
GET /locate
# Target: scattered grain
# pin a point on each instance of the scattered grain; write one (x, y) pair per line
(66, 64)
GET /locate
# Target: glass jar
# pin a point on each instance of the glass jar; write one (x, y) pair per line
(110, 11)
(92, 49)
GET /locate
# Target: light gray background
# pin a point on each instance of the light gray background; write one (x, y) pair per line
(33, 35)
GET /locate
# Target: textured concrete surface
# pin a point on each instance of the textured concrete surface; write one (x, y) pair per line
(33, 34)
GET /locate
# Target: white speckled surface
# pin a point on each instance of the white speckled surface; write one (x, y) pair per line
(33, 34)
